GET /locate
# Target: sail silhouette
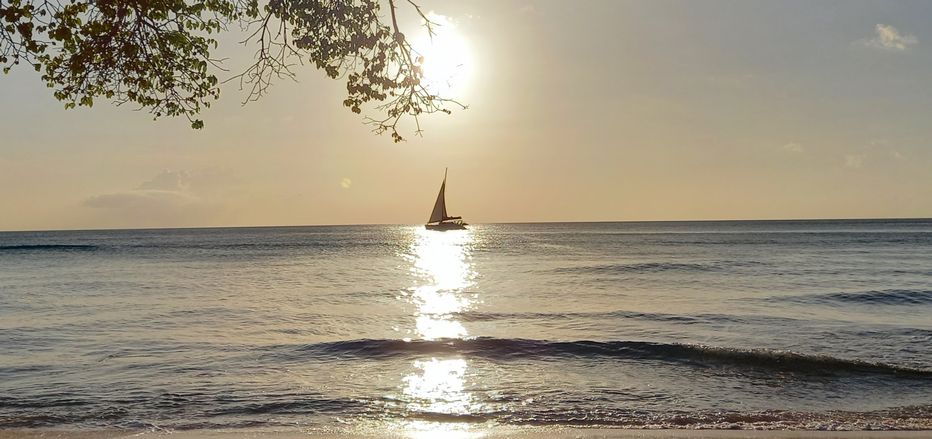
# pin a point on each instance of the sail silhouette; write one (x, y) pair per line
(440, 206)
(439, 219)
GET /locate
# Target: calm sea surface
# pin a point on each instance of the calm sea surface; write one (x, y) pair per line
(783, 324)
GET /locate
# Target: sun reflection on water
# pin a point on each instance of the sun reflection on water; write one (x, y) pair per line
(437, 387)
(443, 274)
(434, 430)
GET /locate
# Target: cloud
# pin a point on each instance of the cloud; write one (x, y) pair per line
(140, 199)
(880, 143)
(440, 19)
(886, 147)
(170, 198)
(346, 183)
(876, 152)
(888, 38)
(168, 180)
(854, 161)
(168, 189)
(793, 147)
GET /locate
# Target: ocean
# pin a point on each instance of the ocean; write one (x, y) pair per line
(728, 324)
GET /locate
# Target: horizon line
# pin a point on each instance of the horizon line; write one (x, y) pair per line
(267, 226)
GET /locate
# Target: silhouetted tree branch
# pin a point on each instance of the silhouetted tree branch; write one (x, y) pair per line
(157, 53)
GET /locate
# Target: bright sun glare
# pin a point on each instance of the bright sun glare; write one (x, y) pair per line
(447, 59)
(442, 267)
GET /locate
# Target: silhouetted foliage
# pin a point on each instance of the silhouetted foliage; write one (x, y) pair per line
(157, 53)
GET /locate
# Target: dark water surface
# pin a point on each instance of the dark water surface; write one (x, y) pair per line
(775, 324)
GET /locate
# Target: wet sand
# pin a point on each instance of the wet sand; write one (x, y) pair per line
(493, 433)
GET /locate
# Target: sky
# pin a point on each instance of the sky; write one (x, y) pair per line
(578, 111)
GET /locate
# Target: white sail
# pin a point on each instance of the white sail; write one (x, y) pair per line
(440, 206)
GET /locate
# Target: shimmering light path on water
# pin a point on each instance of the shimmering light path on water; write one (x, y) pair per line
(443, 274)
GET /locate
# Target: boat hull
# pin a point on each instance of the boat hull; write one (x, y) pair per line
(445, 226)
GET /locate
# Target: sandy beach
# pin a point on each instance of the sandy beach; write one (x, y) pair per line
(562, 433)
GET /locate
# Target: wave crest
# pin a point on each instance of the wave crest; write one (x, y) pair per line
(48, 247)
(694, 355)
(872, 297)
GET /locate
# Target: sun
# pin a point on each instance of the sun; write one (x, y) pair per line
(445, 57)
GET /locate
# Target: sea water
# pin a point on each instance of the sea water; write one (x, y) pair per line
(758, 324)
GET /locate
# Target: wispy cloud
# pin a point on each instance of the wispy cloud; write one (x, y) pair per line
(874, 153)
(889, 38)
(168, 189)
(170, 198)
(140, 199)
(794, 147)
(168, 180)
(854, 161)
(885, 147)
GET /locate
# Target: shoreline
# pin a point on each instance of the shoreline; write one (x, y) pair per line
(490, 433)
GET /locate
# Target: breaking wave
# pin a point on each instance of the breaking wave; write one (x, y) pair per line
(516, 348)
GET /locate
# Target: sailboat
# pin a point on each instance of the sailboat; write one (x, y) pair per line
(439, 220)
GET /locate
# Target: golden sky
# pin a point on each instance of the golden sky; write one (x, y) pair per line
(579, 111)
